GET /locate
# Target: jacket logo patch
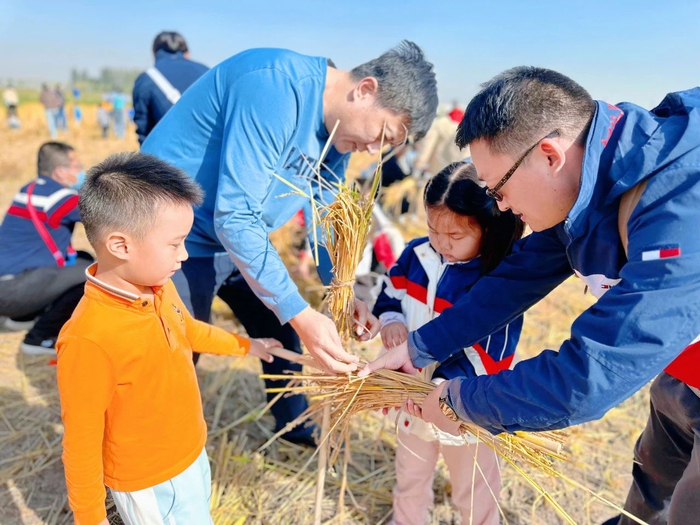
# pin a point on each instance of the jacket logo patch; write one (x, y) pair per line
(667, 252)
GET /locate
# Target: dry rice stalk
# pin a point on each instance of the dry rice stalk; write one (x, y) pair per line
(348, 395)
(346, 224)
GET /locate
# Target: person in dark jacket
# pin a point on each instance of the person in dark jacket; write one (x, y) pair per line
(159, 87)
(41, 275)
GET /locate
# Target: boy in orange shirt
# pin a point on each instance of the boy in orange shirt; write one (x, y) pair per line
(130, 402)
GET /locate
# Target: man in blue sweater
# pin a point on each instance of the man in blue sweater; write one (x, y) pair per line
(612, 194)
(159, 87)
(249, 126)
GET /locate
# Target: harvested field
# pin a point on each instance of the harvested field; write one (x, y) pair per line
(270, 487)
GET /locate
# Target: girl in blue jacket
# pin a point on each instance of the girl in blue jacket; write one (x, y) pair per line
(468, 237)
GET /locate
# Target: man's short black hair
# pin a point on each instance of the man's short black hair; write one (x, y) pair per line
(522, 105)
(170, 41)
(125, 191)
(52, 155)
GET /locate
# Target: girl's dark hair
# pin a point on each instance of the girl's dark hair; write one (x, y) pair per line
(457, 189)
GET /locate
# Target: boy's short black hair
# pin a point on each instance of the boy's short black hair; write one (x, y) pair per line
(52, 155)
(124, 191)
(169, 41)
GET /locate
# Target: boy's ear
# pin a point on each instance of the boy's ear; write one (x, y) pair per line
(119, 245)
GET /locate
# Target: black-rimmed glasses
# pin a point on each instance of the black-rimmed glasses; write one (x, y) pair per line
(494, 192)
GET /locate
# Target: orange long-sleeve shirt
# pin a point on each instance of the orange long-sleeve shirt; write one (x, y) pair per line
(130, 401)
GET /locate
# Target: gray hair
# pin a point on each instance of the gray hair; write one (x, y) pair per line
(407, 85)
(524, 104)
(124, 192)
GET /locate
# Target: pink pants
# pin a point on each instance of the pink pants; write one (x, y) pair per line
(413, 493)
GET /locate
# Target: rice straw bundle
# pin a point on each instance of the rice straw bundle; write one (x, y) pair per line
(348, 395)
(346, 223)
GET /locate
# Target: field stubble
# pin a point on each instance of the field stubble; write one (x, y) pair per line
(269, 487)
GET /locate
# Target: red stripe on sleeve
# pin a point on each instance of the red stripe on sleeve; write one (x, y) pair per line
(417, 291)
(64, 209)
(23, 213)
(398, 282)
(441, 304)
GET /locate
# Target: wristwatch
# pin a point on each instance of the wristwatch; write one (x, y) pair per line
(447, 410)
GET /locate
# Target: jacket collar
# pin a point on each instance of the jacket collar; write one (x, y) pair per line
(162, 54)
(599, 150)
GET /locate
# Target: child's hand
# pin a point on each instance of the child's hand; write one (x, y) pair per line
(366, 324)
(258, 348)
(394, 334)
(396, 358)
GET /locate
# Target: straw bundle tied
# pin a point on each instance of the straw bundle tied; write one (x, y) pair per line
(345, 223)
(340, 397)
(349, 395)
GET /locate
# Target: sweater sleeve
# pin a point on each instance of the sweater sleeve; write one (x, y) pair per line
(86, 384)
(260, 114)
(209, 339)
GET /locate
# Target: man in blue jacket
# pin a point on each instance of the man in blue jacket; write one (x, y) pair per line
(159, 87)
(248, 128)
(612, 194)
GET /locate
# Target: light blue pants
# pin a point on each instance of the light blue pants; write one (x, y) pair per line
(182, 500)
(51, 117)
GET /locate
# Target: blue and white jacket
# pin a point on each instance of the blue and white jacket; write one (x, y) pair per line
(420, 287)
(253, 118)
(648, 310)
(21, 245)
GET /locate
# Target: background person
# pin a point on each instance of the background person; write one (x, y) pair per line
(161, 86)
(40, 273)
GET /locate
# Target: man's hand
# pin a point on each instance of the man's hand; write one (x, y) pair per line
(394, 334)
(321, 338)
(396, 358)
(258, 348)
(430, 411)
(366, 325)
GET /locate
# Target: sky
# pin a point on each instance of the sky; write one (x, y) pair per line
(620, 50)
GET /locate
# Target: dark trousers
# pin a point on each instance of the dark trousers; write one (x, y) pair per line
(666, 485)
(49, 293)
(204, 277)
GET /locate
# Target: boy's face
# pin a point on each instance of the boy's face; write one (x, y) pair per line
(159, 254)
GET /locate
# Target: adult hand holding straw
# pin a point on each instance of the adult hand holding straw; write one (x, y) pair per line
(321, 338)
